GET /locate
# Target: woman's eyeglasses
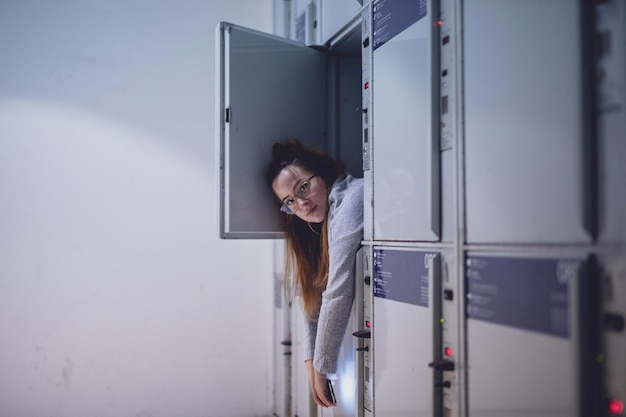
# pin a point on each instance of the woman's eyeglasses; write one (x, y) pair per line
(303, 190)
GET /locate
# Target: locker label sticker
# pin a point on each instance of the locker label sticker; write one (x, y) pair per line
(393, 16)
(530, 294)
(402, 275)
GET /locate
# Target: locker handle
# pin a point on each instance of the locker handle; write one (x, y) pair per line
(442, 365)
(286, 343)
(363, 334)
(227, 115)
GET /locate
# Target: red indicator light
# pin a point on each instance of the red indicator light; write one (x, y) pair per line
(448, 351)
(616, 407)
(368, 323)
(367, 85)
(440, 23)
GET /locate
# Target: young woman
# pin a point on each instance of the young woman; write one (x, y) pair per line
(323, 226)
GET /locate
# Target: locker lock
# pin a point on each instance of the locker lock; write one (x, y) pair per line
(442, 365)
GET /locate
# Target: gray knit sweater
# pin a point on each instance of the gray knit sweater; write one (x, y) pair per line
(324, 334)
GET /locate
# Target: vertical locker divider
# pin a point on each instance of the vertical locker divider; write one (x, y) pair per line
(436, 300)
(589, 116)
(367, 347)
(359, 297)
(435, 129)
(460, 207)
(367, 111)
(590, 355)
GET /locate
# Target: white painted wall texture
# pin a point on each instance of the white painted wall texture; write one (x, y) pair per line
(116, 296)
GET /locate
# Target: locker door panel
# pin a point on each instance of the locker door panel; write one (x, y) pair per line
(403, 335)
(528, 344)
(405, 152)
(524, 122)
(270, 89)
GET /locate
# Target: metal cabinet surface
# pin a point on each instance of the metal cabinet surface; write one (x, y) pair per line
(526, 178)
(405, 336)
(531, 340)
(405, 142)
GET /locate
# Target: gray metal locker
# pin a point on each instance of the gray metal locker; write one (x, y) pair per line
(527, 178)
(405, 331)
(405, 122)
(532, 336)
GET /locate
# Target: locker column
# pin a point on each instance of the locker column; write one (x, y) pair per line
(611, 100)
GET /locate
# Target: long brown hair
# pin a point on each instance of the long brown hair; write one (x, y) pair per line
(306, 245)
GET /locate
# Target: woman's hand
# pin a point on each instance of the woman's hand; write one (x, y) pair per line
(317, 381)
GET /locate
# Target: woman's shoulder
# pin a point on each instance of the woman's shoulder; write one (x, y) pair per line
(346, 203)
(346, 191)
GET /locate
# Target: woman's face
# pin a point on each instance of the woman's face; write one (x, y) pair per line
(289, 181)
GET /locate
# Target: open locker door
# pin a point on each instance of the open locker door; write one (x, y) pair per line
(269, 89)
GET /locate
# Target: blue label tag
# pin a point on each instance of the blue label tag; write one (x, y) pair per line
(531, 294)
(401, 275)
(393, 16)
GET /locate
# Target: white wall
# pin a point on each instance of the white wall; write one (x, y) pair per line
(116, 296)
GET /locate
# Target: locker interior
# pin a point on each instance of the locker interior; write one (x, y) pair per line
(276, 89)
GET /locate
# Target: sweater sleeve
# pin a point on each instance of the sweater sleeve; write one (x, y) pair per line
(310, 332)
(345, 229)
